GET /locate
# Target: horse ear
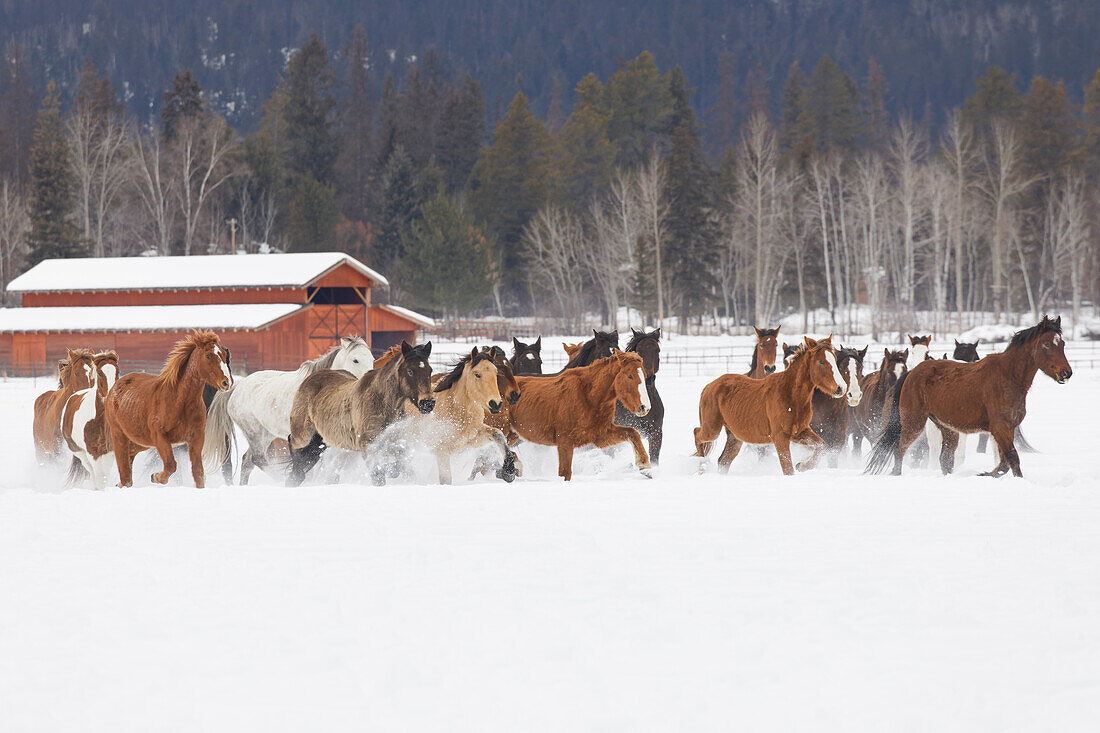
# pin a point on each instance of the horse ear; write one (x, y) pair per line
(427, 349)
(1058, 321)
(537, 346)
(905, 355)
(657, 333)
(863, 351)
(754, 328)
(405, 348)
(595, 332)
(473, 354)
(635, 332)
(886, 353)
(827, 341)
(810, 343)
(785, 347)
(515, 343)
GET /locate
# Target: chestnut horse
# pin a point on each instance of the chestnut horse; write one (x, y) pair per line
(526, 358)
(84, 425)
(877, 387)
(159, 411)
(577, 408)
(989, 395)
(968, 352)
(832, 416)
(763, 355)
(776, 409)
(333, 408)
(75, 372)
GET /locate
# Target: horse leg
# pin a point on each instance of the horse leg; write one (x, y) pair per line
(194, 452)
(983, 442)
(733, 447)
(808, 437)
(949, 443)
(443, 461)
(1003, 434)
(511, 467)
(912, 427)
(167, 459)
(783, 448)
(656, 438)
(124, 457)
(304, 459)
(227, 464)
(565, 461)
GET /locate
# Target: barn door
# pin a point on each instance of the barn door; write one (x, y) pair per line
(329, 322)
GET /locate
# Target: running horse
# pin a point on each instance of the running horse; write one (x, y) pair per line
(968, 352)
(776, 409)
(84, 424)
(877, 388)
(577, 407)
(526, 358)
(159, 411)
(763, 355)
(831, 415)
(76, 372)
(651, 425)
(333, 408)
(985, 396)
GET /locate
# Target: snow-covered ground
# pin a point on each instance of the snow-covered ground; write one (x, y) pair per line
(753, 601)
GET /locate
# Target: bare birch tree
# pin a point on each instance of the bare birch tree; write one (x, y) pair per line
(202, 147)
(654, 205)
(154, 186)
(14, 225)
(554, 242)
(609, 257)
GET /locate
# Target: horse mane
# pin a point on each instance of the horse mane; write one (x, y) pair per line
(845, 353)
(326, 360)
(109, 355)
(1047, 325)
(637, 337)
(457, 368)
(753, 363)
(176, 363)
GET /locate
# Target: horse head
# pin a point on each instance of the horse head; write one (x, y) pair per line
(822, 368)
(967, 352)
(629, 384)
(571, 349)
(506, 378)
(211, 360)
(414, 375)
(767, 342)
(918, 347)
(353, 355)
(1048, 348)
(526, 358)
(106, 364)
(647, 346)
(79, 370)
(850, 363)
(894, 362)
(477, 374)
(789, 352)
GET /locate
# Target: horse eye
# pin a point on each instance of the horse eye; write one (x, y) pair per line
(478, 376)
(209, 357)
(354, 361)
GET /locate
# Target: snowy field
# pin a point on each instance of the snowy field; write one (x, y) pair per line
(826, 601)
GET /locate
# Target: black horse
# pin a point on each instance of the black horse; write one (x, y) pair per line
(526, 358)
(965, 352)
(651, 427)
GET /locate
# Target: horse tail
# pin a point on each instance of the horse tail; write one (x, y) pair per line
(890, 437)
(218, 443)
(1021, 442)
(77, 473)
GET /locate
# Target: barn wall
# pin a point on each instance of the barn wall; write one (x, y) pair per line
(166, 297)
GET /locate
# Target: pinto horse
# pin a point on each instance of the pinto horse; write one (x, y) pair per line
(652, 424)
(577, 408)
(76, 372)
(763, 356)
(159, 411)
(526, 358)
(776, 409)
(333, 408)
(877, 388)
(986, 396)
(84, 424)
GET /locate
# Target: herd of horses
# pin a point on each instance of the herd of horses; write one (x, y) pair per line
(488, 401)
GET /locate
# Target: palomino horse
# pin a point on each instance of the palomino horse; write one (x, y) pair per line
(76, 372)
(259, 404)
(462, 397)
(526, 358)
(652, 424)
(333, 408)
(84, 424)
(763, 356)
(832, 416)
(576, 408)
(989, 395)
(506, 379)
(159, 411)
(877, 388)
(776, 409)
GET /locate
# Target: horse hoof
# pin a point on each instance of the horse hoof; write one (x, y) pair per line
(378, 478)
(646, 472)
(506, 476)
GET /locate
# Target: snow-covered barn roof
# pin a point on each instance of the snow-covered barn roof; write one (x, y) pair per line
(184, 273)
(411, 315)
(143, 317)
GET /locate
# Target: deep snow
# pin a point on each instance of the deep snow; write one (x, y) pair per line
(826, 601)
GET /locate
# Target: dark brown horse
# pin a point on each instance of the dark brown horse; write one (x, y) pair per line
(763, 355)
(877, 388)
(526, 358)
(159, 411)
(651, 425)
(968, 352)
(333, 408)
(776, 409)
(75, 372)
(832, 415)
(964, 351)
(576, 408)
(987, 396)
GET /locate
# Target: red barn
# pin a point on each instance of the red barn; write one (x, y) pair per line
(272, 311)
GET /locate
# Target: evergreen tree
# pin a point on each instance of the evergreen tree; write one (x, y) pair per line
(792, 102)
(722, 114)
(995, 97)
(460, 134)
(419, 112)
(355, 163)
(400, 202)
(447, 260)
(758, 98)
(1090, 120)
(53, 189)
(17, 116)
(183, 101)
(692, 237)
(1047, 129)
(639, 104)
(830, 116)
(96, 96)
(310, 112)
(587, 155)
(512, 179)
(314, 212)
(389, 120)
(874, 106)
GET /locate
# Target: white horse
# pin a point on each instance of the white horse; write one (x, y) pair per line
(259, 404)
